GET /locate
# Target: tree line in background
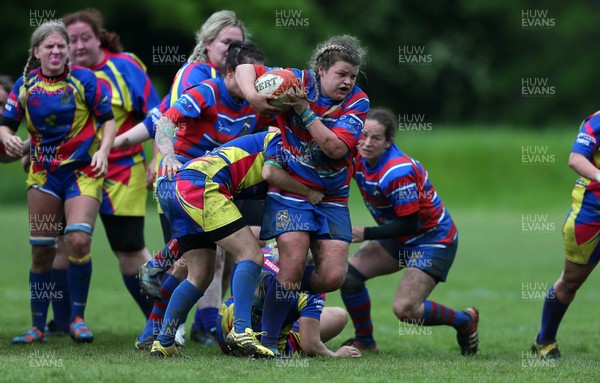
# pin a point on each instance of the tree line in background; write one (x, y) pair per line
(528, 64)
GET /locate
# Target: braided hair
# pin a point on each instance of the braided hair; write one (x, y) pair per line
(337, 48)
(39, 35)
(211, 29)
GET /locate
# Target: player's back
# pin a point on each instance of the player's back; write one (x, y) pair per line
(238, 164)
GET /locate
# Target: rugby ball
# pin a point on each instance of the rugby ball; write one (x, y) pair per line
(280, 83)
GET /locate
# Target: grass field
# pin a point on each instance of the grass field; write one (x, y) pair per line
(503, 267)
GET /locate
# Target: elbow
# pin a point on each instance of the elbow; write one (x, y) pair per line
(336, 152)
(573, 161)
(268, 173)
(310, 349)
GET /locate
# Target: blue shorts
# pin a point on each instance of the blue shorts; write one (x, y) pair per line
(434, 260)
(65, 184)
(326, 220)
(197, 206)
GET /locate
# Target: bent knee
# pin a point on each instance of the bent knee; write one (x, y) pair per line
(339, 315)
(406, 311)
(332, 282)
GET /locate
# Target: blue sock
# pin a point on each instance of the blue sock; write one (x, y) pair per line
(61, 306)
(79, 276)
(359, 308)
(40, 294)
(435, 314)
(155, 320)
(244, 284)
(306, 278)
(133, 286)
(552, 315)
(198, 325)
(277, 305)
(183, 299)
(206, 318)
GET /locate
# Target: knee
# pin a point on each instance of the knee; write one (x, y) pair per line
(335, 280)
(405, 311)
(42, 258)
(565, 290)
(354, 281)
(79, 239)
(79, 244)
(339, 316)
(329, 282)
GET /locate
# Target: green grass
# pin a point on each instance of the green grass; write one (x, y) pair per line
(487, 189)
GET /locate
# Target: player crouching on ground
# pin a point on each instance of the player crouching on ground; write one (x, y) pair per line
(415, 232)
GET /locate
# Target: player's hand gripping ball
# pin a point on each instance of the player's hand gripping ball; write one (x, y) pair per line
(280, 83)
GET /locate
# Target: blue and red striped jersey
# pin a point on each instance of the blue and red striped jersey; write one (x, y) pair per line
(399, 185)
(187, 76)
(306, 161)
(206, 116)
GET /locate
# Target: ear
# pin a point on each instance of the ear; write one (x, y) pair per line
(321, 71)
(35, 53)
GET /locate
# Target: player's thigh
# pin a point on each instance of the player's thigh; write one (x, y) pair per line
(580, 233)
(330, 254)
(82, 209)
(372, 259)
(45, 214)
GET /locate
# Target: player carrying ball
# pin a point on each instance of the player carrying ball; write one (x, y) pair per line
(320, 134)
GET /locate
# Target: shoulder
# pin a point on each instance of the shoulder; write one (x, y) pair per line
(126, 60)
(396, 164)
(358, 99)
(83, 73)
(593, 119)
(200, 69)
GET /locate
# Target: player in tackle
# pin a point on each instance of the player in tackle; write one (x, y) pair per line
(198, 203)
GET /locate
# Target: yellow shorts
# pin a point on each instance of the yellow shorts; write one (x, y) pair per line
(208, 203)
(124, 190)
(581, 230)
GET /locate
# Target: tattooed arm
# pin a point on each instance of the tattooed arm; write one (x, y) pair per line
(165, 131)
